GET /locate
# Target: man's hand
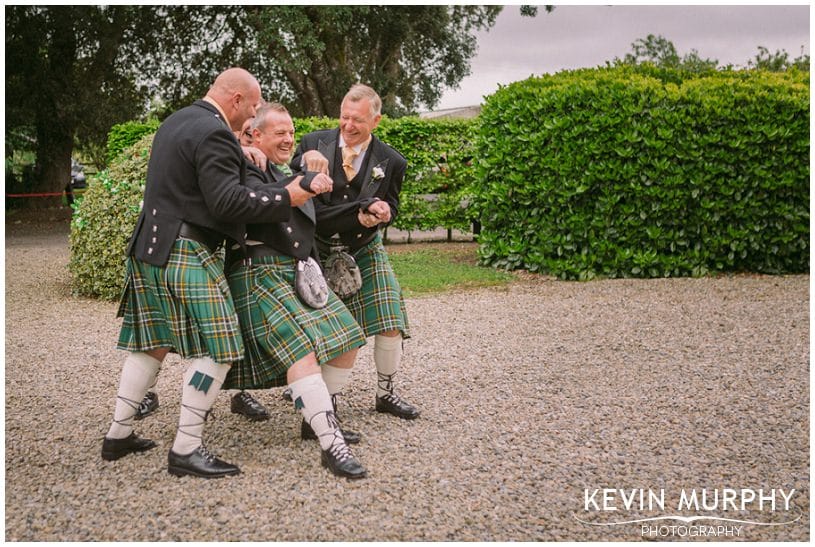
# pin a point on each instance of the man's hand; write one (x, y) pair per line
(315, 161)
(255, 156)
(381, 210)
(319, 184)
(366, 219)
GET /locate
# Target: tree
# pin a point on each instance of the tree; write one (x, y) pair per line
(778, 61)
(311, 55)
(65, 78)
(661, 52)
(72, 72)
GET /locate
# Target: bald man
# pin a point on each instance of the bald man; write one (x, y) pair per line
(176, 296)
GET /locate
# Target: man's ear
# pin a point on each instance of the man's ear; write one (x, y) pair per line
(236, 100)
(377, 119)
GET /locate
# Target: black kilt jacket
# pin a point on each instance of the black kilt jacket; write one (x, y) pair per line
(291, 237)
(381, 176)
(197, 174)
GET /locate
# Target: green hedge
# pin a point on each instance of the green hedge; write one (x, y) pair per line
(126, 134)
(102, 223)
(612, 172)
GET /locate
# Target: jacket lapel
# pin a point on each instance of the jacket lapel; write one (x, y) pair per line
(308, 209)
(328, 147)
(377, 162)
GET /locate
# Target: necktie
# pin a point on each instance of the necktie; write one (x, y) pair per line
(348, 155)
(285, 169)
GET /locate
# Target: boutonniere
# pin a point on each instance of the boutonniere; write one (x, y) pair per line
(377, 173)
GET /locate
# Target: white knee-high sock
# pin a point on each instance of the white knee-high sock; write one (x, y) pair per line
(139, 372)
(201, 385)
(387, 356)
(335, 378)
(311, 397)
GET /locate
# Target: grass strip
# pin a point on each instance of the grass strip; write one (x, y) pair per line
(429, 269)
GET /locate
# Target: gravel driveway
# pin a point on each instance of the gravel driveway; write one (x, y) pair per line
(535, 397)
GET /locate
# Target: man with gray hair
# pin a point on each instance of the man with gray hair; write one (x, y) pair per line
(296, 333)
(367, 175)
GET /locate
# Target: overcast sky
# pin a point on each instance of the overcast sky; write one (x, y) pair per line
(588, 36)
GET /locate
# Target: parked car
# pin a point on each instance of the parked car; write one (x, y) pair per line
(77, 175)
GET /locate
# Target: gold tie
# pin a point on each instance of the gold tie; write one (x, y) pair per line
(348, 155)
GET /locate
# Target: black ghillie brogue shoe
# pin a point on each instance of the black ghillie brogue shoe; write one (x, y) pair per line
(391, 403)
(199, 463)
(245, 404)
(147, 406)
(340, 461)
(113, 449)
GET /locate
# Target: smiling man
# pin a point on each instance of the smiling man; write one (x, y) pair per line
(367, 175)
(272, 131)
(290, 335)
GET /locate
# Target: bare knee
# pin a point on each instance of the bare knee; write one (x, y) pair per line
(158, 354)
(304, 367)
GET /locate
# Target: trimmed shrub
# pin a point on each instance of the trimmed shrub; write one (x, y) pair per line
(102, 224)
(439, 155)
(613, 173)
(126, 134)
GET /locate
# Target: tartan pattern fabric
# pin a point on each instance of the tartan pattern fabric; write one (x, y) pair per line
(278, 329)
(184, 305)
(378, 306)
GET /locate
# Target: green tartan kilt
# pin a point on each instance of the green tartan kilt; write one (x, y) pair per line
(279, 329)
(378, 306)
(184, 305)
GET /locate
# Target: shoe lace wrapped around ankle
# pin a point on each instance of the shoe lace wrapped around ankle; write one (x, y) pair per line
(135, 405)
(338, 440)
(385, 381)
(201, 413)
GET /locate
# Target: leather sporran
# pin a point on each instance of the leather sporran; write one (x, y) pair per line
(310, 284)
(342, 273)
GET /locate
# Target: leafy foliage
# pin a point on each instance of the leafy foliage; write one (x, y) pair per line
(613, 173)
(661, 52)
(124, 135)
(778, 61)
(311, 55)
(71, 74)
(102, 223)
(74, 71)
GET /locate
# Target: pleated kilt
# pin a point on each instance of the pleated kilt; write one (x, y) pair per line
(378, 306)
(278, 328)
(184, 305)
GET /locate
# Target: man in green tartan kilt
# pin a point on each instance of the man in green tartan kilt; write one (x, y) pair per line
(176, 296)
(368, 176)
(302, 337)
